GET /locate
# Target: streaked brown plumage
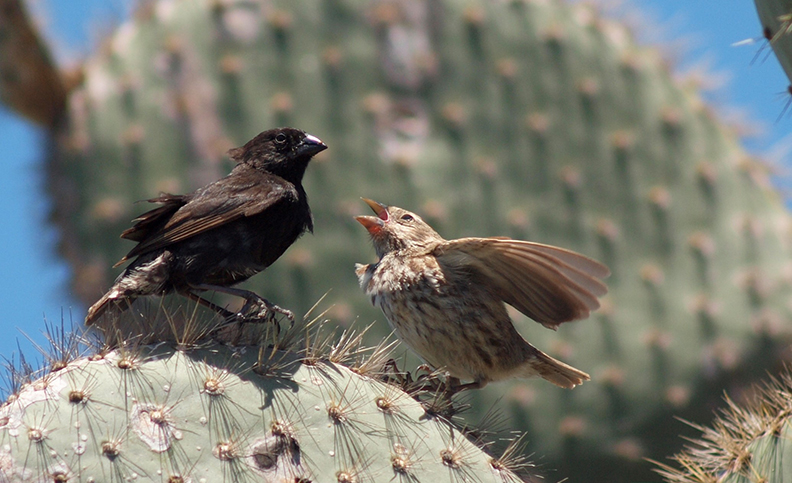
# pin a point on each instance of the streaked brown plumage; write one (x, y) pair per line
(223, 233)
(445, 298)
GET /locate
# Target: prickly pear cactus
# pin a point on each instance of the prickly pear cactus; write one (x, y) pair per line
(776, 19)
(232, 414)
(748, 443)
(540, 120)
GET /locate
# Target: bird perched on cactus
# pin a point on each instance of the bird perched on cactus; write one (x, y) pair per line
(445, 298)
(223, 233)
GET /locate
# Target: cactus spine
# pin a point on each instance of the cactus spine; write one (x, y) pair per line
(776, 18)
(747, 443)
(292, 411)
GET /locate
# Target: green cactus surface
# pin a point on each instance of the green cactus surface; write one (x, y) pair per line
(539, 120)
(293, 413)
(776, 19)
(748, 443)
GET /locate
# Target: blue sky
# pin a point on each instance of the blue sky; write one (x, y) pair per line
(34, 282)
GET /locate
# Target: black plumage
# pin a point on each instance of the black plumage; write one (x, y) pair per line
(224, 232)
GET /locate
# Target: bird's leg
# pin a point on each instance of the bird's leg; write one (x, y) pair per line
(425, 368)
(424, 372)
(226, 314)
(449, 385)
(428, 379)
(255, 308)
(391, 372)
(453, 385)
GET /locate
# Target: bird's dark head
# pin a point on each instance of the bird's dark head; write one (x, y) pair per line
(395, 228)
(284, 151)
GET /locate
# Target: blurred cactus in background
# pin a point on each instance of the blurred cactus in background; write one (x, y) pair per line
(30, 85)
(539, 120)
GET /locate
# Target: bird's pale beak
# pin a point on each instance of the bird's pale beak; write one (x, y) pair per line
(378, 208)
(310, 145)
(374, 223)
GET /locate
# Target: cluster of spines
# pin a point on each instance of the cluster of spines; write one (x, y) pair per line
(286, 410)
(776, 19)
(747, 443)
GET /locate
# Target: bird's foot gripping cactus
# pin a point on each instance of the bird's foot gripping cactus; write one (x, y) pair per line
(748, 443)
(305, 406)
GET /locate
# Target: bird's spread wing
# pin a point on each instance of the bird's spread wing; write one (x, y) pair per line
(548, 284)
(217, 204)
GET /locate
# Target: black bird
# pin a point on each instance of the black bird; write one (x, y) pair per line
(223, 233)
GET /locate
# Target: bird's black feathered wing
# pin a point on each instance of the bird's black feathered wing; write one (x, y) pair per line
(183, 216)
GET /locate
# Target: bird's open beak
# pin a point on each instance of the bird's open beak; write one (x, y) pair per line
(378, 208)
(374, 223)
(310, 145)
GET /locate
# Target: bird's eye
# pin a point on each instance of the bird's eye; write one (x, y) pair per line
(280, 138)
(407, 218)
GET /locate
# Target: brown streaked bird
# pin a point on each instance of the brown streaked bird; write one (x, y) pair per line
(223, 233)
(445, 299)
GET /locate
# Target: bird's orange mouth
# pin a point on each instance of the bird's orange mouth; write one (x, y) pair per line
(370, 223)
(374, 224)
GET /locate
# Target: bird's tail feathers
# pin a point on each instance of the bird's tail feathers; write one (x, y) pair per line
(553, 370)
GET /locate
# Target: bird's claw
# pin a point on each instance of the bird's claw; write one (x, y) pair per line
(392, 373)
(261, 310)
